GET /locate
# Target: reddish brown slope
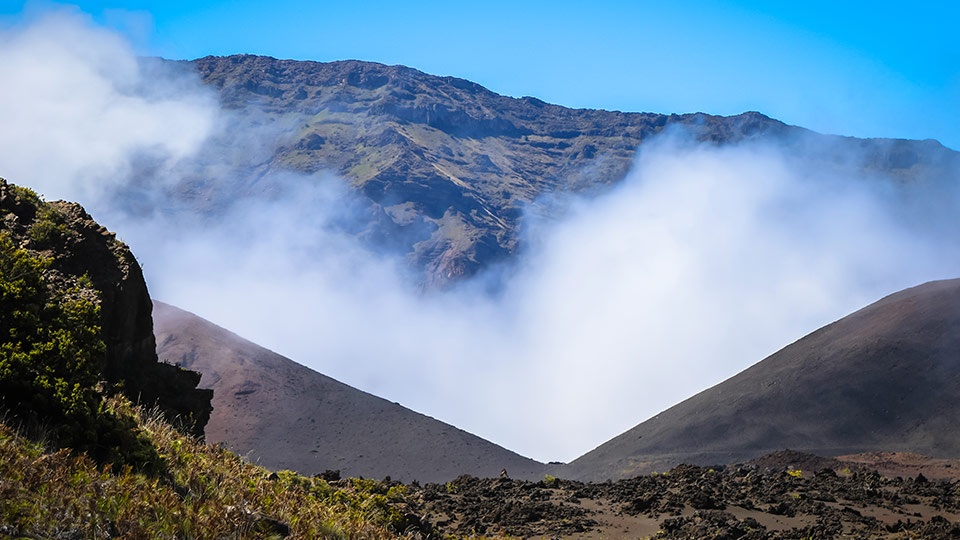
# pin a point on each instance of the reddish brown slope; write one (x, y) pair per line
(286, 416)
(884, 378)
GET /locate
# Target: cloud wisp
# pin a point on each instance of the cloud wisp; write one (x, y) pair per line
(78, 106)
(701, 262)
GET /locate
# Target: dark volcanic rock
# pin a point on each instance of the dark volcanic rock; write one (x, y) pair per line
(475, 506)
(712, 524)
(750, 503)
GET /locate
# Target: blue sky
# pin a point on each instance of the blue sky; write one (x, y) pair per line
(870, 69)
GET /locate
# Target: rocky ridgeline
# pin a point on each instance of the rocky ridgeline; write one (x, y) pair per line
(450, 168)
(81, 251)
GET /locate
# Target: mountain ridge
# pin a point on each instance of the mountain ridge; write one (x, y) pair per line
(448, 168)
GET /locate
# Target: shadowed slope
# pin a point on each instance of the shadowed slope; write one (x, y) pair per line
(286, 416)
(884, 378)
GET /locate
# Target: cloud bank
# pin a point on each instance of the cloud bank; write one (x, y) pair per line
(700, 263)
(78, 107)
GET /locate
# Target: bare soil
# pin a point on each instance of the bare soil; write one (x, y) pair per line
(906, 464)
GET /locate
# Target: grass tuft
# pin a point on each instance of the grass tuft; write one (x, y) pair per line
(205, 492)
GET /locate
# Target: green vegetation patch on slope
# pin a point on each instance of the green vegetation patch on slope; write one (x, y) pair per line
(75, 327)
(51, 351)
(49, 341)
(206, 492)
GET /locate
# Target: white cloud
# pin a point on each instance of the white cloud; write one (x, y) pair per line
(700, 263)
(78, 106)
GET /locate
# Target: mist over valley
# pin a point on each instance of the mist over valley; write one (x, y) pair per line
(539, 276)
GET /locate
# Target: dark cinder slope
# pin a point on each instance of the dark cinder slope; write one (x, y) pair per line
(884, 378)
(286, 416)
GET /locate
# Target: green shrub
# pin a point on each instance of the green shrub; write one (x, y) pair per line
(51, 353)
(49, 229)
(50, 346)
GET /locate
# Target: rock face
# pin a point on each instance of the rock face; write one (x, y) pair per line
(886, 377)
(449, 168)
(78, 246)
(285, 416)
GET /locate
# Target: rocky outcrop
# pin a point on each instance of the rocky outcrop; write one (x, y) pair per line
(79, 248)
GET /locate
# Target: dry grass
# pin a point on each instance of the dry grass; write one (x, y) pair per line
(207, 492)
